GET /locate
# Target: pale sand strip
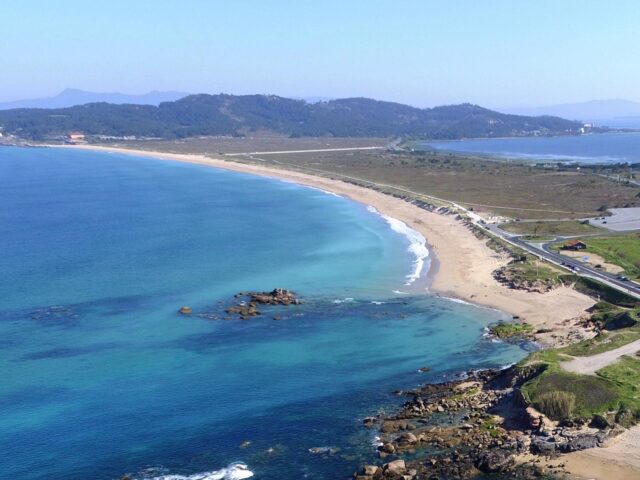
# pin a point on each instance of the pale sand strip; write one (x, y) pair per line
(619, 460)
(465, 266)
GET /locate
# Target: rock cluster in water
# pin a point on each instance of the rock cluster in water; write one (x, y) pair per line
(249, 308)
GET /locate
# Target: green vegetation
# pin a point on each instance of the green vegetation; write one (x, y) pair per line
(604, 342)
(625, 374)
(508, 330)
(532, 270)
(555, 228)
(622, 250)
(558, 405)
(592, 394)
(562, 395)
(197, 115)
(598, 290)
(612, 317)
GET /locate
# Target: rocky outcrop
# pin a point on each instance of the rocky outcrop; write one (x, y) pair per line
(511, 278)
(249, 308)
(476, 426)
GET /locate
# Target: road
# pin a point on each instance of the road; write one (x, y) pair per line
(590, 365)
(545, 252)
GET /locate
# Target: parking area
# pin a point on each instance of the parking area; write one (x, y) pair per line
(621, 220)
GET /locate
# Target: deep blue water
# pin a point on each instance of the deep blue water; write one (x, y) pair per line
(99, 374)
(587, 149)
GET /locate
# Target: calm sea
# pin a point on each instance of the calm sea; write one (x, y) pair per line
(586, 149)
(101, 377)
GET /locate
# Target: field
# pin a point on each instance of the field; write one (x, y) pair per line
(622, 250)
(542, 228)
(258, 143)
(509, 189)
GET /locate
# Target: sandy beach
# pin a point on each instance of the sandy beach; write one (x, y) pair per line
(464, 271)
(464, 263)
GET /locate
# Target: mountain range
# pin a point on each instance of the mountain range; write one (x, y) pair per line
(613, 113)
(71, 97)
(238, 115)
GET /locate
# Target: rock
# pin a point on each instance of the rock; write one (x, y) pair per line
(543, 446)
(424, 369)
(580, 442)
(277, 296)
(494, 461)
(245, 444)
(370, 470)
(185, 310)
(625, 417)
(397, 467)
(407, 439)
(600, 422)
(387, 448)
(369, 421)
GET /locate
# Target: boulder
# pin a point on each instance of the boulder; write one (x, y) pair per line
(185, 310)
(600, 422)
(492, 461)
(397, 467)
(407, 438)
(370, 470)
(387, 448)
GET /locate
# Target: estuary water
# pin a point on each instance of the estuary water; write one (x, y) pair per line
(601, 148)
(100, 377)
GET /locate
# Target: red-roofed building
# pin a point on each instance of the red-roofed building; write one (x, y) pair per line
(574, 245)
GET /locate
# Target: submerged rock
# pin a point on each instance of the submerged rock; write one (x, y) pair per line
(277, 296)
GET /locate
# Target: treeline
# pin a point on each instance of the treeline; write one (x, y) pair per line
(197, 115)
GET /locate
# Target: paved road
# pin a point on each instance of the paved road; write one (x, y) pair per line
(568, 263)
(590, 365)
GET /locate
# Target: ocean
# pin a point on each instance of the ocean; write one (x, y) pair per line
(102, 377)
(601, 148)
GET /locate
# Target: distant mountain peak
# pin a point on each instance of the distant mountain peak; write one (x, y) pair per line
(71, 97)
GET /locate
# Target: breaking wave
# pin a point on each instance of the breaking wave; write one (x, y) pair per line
(417, 244)
(235, 471)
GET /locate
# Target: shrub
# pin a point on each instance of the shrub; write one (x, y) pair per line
(556, 404)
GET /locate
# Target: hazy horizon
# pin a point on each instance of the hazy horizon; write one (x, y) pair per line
(497, 54)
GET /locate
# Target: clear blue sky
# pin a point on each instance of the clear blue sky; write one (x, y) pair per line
(421, 52)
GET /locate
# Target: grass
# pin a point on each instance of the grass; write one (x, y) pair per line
(562, 394)
(530, 270)
(593, 395)
(602, 343)
(625, 374)
(556, 228)
(556, 404)
(600, 291)
(508, 330)
(514, 189)
(622, 250)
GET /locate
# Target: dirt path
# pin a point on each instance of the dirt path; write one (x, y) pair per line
(590, 365)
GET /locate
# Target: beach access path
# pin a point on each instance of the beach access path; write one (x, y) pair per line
(590, 365)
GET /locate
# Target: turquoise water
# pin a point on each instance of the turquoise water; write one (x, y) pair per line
(101, 376)
(586, 149)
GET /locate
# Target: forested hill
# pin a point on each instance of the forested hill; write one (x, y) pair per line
(197, 115)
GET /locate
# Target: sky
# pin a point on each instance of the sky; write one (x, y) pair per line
(421, 52)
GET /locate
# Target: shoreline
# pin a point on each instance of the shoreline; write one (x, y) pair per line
(461, 265)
